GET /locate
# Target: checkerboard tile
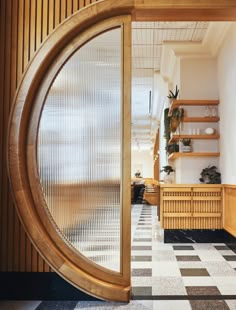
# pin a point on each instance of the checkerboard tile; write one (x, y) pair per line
(180, 272)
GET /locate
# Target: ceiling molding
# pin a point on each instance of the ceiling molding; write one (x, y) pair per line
(208, 48)
(215, 36)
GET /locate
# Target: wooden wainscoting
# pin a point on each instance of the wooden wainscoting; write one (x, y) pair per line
(229, 215)
(191, 206)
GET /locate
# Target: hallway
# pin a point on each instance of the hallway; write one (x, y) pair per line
(164, 276)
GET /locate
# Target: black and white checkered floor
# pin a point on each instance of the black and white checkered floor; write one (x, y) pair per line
(194, 276)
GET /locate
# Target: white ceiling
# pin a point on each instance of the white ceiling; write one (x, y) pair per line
(148, 39)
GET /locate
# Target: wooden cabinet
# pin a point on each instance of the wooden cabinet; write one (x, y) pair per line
(191, 206)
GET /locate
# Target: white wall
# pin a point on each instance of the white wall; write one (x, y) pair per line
(188, 169)
(198, 78)
(144, 162)
(227, 95)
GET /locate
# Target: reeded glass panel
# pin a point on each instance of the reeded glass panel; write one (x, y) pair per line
(79, 150)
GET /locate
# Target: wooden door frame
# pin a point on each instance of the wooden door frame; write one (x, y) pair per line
(23, 171)
(19, 144)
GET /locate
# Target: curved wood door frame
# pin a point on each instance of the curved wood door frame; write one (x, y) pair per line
(32, 208)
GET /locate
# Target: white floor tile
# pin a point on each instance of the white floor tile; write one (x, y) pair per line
(198, 281)
(226, 285)
(210, 256)
(141, 281)
(171, 305)
(166, 269)
(219, 269)
(168, 286)
(231, 304)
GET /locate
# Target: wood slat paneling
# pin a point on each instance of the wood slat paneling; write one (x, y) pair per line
(63, 10)
(57, 12)
(39, 7)
(24, 25)
(20, 35)
(191, 207)
(69, 8)
(51, 17)
(3, 209)
(32, 28)
(229, 217)
(45, 19)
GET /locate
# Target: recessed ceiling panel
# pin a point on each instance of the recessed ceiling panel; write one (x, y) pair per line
(142, 36)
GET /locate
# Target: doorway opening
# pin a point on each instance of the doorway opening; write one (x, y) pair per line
(162, 52)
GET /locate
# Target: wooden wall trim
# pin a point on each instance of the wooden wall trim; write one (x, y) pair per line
(229, 207)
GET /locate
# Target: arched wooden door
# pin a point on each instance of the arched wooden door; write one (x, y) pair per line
(69, 157)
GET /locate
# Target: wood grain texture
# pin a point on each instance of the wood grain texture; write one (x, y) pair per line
(26, 186)
(229, 216)
(16, 54)
(24, 25)
(191, 206)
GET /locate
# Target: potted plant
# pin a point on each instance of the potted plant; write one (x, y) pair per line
(174, 95)
(137, 174)
(172, 147)
(186, 145)
(169, 174)
(210, 175)
(167, 169)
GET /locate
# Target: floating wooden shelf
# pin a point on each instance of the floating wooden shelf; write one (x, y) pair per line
(201, 119)
(199, 137)
(176, 155)
(177, 103)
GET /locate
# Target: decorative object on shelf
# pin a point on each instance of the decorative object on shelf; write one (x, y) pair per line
(207, 111)
(213, 111)
(169, 174)
(209, 131)
(210, 175)
(186, 145)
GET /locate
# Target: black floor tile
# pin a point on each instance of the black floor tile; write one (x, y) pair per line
(183, 247)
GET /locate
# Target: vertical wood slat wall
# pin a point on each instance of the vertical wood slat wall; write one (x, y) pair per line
(229, 216)
(24, 25)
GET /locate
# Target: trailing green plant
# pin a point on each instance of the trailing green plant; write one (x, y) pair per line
(167, 169)
(176, 118)
(210, 175)
(173, 95)
(166, 124)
